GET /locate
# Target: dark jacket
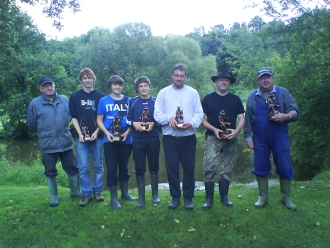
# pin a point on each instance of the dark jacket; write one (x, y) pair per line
(51, 122)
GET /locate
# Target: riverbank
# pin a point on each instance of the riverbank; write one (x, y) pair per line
(26, 220)
(199, 186)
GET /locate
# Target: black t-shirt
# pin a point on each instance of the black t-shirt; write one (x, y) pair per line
(213, 103)
(83, 107)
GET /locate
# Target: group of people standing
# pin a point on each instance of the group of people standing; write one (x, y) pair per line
(116, 125)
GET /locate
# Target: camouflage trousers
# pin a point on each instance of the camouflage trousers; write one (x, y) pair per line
(219, 153)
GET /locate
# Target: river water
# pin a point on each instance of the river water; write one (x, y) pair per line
(27, 152)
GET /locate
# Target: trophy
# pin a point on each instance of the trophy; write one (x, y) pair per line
(115, 127)
(85, 132)
(145, 118)
(273, 105)
(179, 117)
(224, 124)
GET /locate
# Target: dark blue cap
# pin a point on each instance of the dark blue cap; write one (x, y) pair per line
(45, 79)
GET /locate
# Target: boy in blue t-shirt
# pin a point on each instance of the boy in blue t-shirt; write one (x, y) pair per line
(146, 142)
(116, 153)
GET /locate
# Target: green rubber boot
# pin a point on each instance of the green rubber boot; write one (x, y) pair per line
(74, 186)
(263, 192)
(52, 185)
(285, 184)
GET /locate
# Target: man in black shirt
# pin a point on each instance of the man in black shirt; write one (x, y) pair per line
(220, 148)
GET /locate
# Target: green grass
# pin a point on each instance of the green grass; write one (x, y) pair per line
(26, 220)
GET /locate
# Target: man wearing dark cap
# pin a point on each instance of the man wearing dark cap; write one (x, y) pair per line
(269, 109)
(145, 135)
(220, 147)
(49, 116)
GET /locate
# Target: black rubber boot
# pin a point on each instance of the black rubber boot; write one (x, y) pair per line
(141, 188)
(188, 203)
(52, 185)
(154, 188)
(209, 192)
(114, 198)
(223, 189)
(174, 203)
(124, 192)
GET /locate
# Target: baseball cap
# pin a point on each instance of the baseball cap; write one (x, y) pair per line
(45, 79)
(263, 71)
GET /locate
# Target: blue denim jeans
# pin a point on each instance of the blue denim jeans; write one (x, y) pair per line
(95, 148)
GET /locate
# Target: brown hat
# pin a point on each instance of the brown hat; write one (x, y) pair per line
(224, 74)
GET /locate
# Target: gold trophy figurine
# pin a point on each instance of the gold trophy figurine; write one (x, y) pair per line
(85, 132)
(179, 117)
(273, 105)
(115, 127)
(224, 124)
(145, 118)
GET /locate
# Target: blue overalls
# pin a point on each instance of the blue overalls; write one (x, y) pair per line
(270, 136)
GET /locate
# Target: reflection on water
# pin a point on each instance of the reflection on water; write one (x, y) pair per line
(27, 151)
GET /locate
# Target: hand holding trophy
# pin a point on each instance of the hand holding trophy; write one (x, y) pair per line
(224, 125)
(273, 105)
(145, 118)
(115, 127)
(85, 132)
(179, 117)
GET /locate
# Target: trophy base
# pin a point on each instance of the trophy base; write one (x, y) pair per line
(272, 114)
(224, 135)
(116, 138)
(87, 139)
(179, 125)
(145, 127)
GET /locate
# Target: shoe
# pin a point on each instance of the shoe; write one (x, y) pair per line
(174, 203)
(85, 200)
(99, 197)
(188, 203)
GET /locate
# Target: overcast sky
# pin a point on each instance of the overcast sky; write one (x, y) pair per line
(163, 17)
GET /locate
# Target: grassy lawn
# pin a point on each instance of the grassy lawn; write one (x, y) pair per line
(26, 220)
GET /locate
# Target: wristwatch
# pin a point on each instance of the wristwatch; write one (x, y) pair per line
(290, 116)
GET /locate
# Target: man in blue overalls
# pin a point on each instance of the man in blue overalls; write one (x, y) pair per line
(269, 109)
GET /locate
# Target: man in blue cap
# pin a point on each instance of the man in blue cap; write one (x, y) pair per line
(269, 109)
(49, 116)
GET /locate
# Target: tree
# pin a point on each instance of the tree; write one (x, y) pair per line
(52, 9)
(129, 51)
(305, 72)
(24, 59)
(286, 10)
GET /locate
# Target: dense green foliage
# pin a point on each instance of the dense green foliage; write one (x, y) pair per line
(297, 49)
